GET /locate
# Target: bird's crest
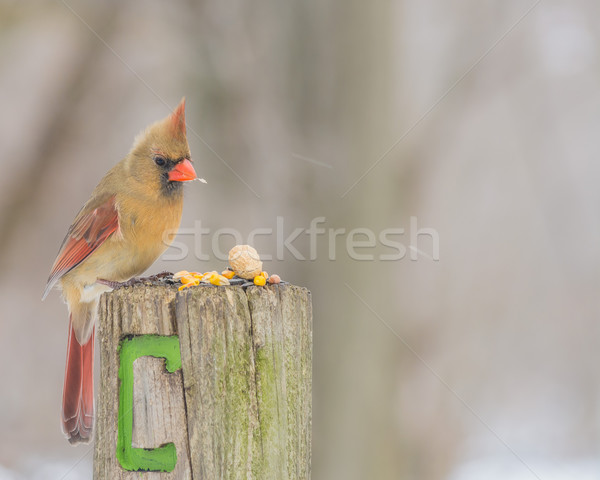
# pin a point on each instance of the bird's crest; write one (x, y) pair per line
(177, 120)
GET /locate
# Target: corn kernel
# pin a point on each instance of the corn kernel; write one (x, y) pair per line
(219, 280)
(193, 283)
(180, 274)
(229, 274)
(206, 277)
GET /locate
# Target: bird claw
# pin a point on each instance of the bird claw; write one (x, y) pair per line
(133, 281)
(158, 276)
(112, 284)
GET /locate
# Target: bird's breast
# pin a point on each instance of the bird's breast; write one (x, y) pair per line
(143, 235)
(146, 232)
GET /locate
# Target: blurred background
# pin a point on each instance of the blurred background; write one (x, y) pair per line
(478, 119)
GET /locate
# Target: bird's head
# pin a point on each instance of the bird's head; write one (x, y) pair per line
(160, 158)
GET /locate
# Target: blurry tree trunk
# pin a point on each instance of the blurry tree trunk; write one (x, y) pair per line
(22, 200)
(368, 445)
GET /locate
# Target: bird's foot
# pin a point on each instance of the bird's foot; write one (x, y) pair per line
(158, 276)
(112, 284)
(133, 281)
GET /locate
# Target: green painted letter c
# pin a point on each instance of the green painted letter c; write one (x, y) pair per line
(161, 459)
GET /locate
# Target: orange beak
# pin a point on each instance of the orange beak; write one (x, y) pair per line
(183, 172)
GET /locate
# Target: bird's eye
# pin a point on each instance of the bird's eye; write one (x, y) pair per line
(160, 161)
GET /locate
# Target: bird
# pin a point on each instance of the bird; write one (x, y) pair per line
(130, 219)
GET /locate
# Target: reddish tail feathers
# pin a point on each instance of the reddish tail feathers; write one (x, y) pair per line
(78, 391)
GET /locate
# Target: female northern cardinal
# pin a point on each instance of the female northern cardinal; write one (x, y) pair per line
(130, 219)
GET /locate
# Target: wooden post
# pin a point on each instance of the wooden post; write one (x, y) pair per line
(237, 404)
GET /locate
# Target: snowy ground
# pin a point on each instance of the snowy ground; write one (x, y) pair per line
(47, 469)
(492, 468)
(510, 468)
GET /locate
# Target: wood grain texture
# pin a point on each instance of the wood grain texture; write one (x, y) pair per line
(240, 407)
(158, 412)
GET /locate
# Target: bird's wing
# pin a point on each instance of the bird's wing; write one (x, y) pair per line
(92, 226)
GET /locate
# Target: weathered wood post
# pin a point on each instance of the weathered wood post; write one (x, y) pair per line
(207, 383)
